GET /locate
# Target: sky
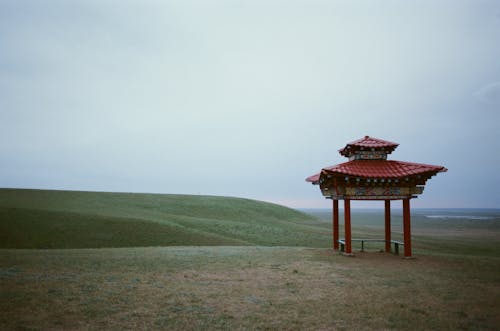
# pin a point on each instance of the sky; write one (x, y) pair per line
(247, 98)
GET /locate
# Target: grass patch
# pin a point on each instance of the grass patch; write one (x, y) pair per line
(243, 273)
(235, 287)
(28, 228)
(68, 219)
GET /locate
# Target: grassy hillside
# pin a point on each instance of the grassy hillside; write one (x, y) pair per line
(453, 284)
(73, 219)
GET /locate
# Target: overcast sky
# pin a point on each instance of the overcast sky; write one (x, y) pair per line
(247, 98)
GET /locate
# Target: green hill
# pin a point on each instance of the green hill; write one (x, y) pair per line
(74, 219)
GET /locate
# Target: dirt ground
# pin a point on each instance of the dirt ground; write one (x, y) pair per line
(250, 288)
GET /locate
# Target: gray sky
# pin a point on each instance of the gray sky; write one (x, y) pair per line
(247, 98)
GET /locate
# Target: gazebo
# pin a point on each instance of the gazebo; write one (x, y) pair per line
(368, 175)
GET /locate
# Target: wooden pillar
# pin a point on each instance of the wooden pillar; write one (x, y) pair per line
(388, 226)
(347, 225)
(335, 224)
(407, 226)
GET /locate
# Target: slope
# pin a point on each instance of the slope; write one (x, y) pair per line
(75, 219)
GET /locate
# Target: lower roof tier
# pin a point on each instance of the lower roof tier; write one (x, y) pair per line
(378, 169)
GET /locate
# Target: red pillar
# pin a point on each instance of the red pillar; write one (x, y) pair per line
(407, 227)
(347, 225)
(388, 226)
(335, 224)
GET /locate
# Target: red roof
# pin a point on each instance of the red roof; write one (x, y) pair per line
(368, 142)
(313, 178)
(379, 169)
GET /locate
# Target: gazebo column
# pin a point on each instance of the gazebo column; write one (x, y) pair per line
(335, 224)
(388, 226)
(407, 227)
(347, 225)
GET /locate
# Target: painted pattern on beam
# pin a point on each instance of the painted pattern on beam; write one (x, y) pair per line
(369, 193)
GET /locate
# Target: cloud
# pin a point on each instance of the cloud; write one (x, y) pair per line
(245, 99)
(489, 94)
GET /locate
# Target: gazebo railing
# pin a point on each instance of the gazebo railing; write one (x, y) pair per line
(396, 243)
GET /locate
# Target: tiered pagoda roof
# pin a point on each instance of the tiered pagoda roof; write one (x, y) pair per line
(368, 168)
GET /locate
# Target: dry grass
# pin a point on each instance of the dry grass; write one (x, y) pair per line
(214, 288)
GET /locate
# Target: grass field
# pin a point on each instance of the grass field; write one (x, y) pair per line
(65, 219)
(235, 280)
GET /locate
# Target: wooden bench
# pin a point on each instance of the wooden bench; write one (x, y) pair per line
(396, 243)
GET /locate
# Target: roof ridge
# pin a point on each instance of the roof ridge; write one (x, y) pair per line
(378, 140)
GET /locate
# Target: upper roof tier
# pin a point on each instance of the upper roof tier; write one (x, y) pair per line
(368, 148)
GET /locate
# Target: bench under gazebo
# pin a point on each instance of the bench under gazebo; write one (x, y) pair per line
(368, 175)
